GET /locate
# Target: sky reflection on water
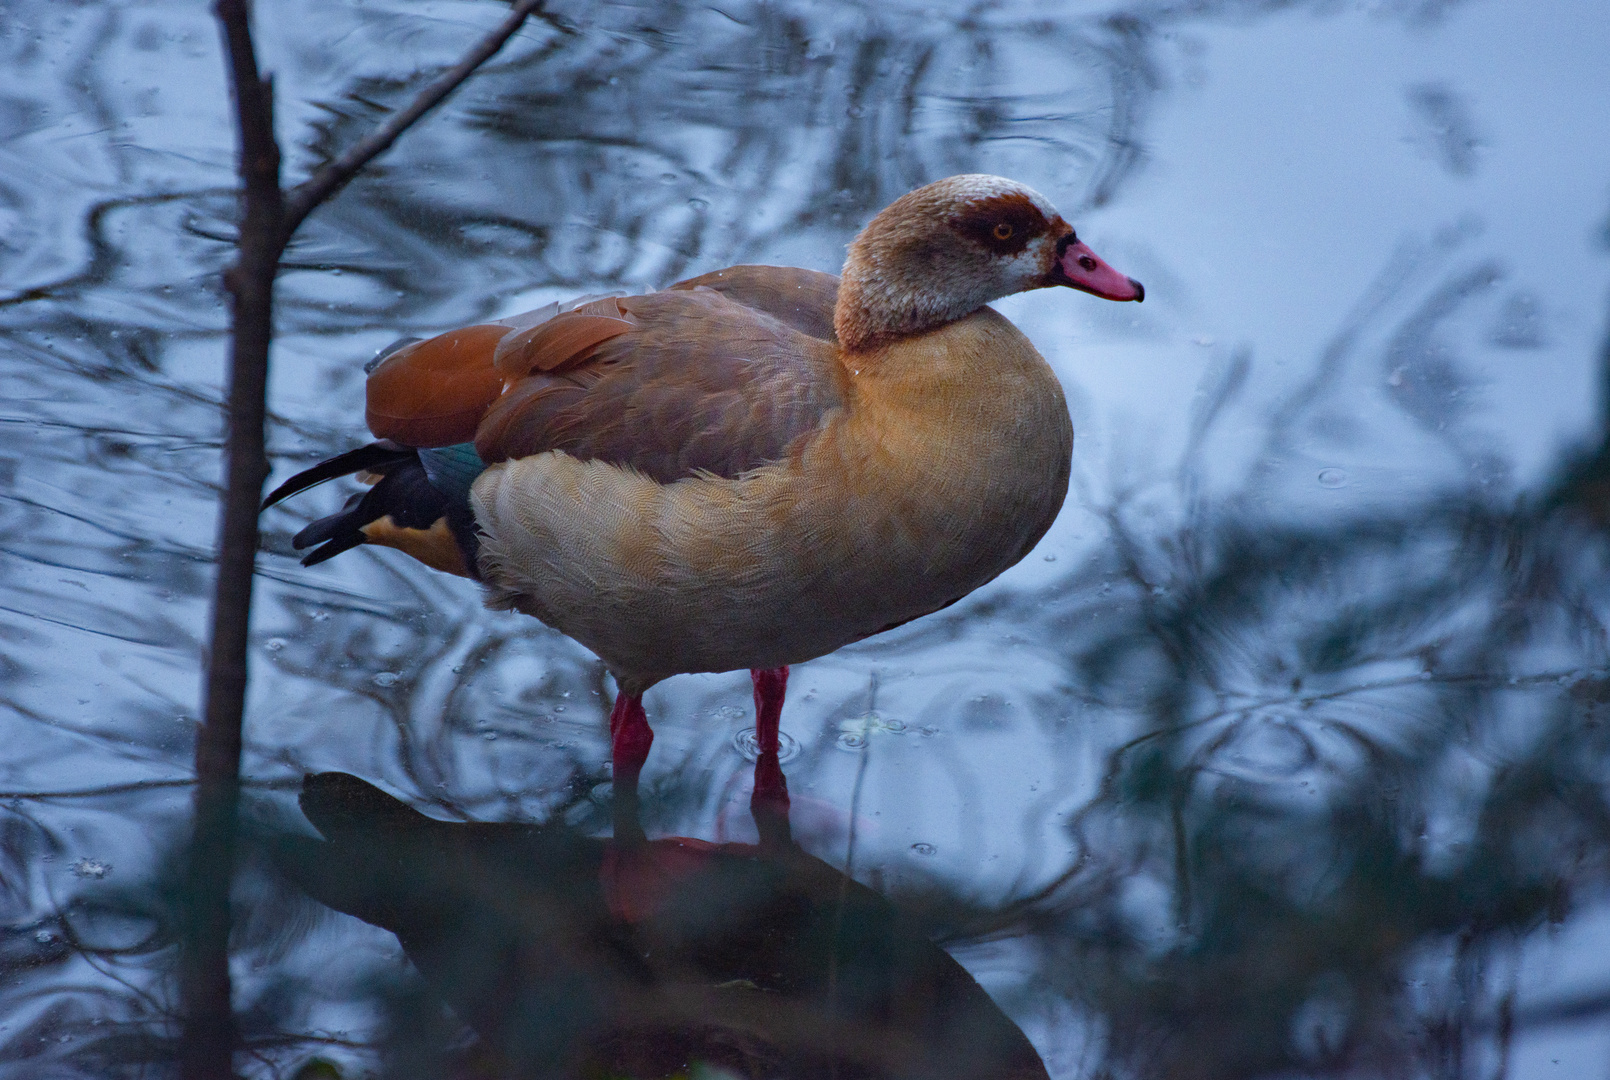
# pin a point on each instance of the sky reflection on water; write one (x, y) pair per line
(1283, 755)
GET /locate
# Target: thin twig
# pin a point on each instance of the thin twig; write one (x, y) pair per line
(209, 1032)
(268, 220)
(329, 178)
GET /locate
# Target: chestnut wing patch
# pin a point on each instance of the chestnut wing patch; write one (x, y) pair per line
(695, 380)
(564, 340)
(434, 393)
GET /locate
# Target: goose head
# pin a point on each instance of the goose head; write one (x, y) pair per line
(943, 251)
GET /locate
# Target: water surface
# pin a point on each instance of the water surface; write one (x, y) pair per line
(1282, 755)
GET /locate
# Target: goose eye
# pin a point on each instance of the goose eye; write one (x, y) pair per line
(1003, 231)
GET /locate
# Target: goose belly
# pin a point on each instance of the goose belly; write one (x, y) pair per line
(783, 564)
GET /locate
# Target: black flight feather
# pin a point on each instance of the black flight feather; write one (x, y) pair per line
(372, 458)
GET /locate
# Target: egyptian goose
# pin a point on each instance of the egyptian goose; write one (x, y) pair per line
(748, 469)
(761, 961)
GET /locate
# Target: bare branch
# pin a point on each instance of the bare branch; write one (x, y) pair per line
(269, 218)
(329, 178)
(210, 1036)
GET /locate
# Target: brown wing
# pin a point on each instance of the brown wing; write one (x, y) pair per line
(701, 382)
(802, 299)
(718, 374)
(434, 393)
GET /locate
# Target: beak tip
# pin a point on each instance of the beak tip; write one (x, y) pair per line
(1140, 291)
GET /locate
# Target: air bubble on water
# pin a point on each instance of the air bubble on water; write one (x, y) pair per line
(921, 848)
(274, 644)
(490, 736)
(91, 868)
(44, 937)
(385, 678)
(1049, 557)
(855, 733)
(1332, 478)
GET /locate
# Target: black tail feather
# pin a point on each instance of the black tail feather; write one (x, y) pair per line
(403, 493)
(332, 549)
(327, 527)
(373, 458)
(339, 532)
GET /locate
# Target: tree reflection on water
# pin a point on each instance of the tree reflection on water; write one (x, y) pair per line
(1321, 775)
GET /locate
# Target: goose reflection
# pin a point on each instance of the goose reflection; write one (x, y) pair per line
(571, 955)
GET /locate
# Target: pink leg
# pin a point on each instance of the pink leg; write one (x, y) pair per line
(630, 738)
(769, 803)
(770, 686)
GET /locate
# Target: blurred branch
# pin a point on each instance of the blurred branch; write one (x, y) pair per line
(95, 792)
(284, 783)
(1572, 1010)
(269, 218)
(330, 177)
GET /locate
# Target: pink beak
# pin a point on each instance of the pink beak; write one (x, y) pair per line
(1080, 268)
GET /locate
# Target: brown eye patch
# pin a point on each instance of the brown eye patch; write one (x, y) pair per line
(1003, 224)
